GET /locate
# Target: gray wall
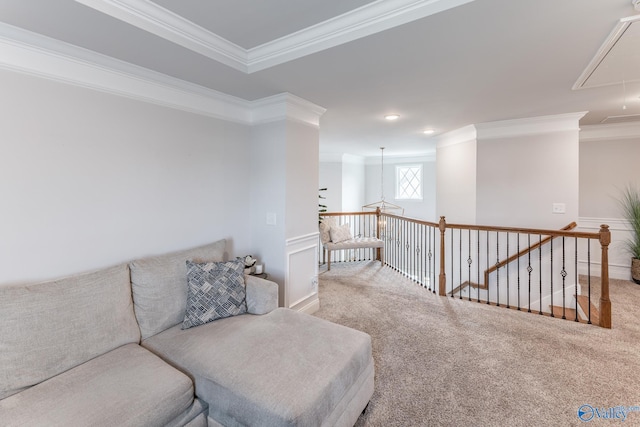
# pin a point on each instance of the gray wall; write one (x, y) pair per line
(609, 156)
(607, 166)
(520, 178)
(456, 179)
(89, 180)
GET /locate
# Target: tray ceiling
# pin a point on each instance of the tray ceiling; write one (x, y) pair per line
(439, 64)
(262, 21)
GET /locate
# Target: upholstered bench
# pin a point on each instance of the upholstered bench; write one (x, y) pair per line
(355, 243)
(336, 237)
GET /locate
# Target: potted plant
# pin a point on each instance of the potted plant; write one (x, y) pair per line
(321, 208)
(630, 204)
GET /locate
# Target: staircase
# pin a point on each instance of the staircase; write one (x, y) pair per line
(583, 311)
(467, 284)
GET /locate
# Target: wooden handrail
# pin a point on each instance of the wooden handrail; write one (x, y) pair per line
(544, 232)
(347, 213)
(523, 252)
(603, 236)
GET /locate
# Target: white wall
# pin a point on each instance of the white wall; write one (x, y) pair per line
(344, 178)
(285, 156)
(456, 193)
(89, 180)
(520, 177)
(608, 162)
(301, 182)
(267, 195)
(330, 177)
(606, 167)
(301, 217)
(353, 183)
(424, 209)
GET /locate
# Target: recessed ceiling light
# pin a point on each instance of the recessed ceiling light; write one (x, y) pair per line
(429, 131)
(392, 117)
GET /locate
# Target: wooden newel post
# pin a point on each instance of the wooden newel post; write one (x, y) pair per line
(378, 220)
(442, 289)
(605, 303)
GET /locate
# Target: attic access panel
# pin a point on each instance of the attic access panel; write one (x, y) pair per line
(617, 60)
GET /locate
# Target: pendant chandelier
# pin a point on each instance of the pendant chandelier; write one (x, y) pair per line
(384, 206)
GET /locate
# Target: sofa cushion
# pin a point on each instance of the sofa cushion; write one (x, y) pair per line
(216, 291)
(283, 368)
(128, 386)
(50, 327)
(160, 286)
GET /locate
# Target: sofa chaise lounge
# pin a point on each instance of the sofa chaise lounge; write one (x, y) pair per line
(107, 348)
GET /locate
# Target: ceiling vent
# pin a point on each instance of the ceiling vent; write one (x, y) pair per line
(629, 118)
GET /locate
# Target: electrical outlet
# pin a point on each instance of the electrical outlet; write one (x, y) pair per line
(559, 208)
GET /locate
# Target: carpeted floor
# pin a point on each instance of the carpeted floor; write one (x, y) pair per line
(445, 362)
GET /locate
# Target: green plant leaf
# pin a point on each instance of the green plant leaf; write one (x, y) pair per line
(630, 205)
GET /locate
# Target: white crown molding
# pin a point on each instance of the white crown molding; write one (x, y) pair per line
(530, 126)
(34, 54)
(608, 132)
(286, 106)
(372, 18)
(604, 50)
(163, 23)
(457, 136)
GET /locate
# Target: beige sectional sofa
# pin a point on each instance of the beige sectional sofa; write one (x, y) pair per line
(107, 348)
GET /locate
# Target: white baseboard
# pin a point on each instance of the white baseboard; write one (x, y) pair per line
(616, 271)
(308, 306)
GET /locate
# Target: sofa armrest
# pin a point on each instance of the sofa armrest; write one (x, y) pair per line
(262, 295)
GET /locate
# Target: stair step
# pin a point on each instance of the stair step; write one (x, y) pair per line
(583, 301)
(569, 313)
(465, 285)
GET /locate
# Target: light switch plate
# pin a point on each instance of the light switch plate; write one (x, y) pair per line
(271, 218)
(559, 208)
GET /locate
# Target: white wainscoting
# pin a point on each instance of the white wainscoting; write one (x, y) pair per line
(301, 289)
(619, 259)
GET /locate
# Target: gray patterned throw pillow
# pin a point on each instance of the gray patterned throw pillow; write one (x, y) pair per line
(216, 290)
